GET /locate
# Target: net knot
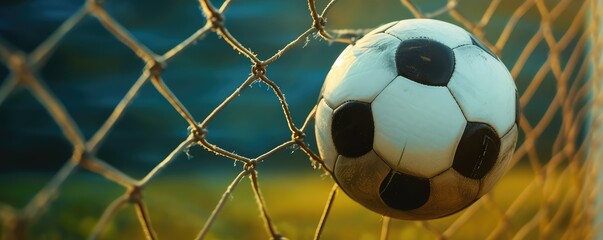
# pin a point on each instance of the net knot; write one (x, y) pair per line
(135, 194)
(258, 70)
(298, 136)
(93, 5)
(319, 23)
(156, 68)
(198, 133)
(250, 166)
(79, 154)
(216, 19)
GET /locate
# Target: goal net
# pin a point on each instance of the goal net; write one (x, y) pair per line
(145, 106)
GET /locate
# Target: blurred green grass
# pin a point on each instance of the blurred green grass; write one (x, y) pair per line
(179, 204)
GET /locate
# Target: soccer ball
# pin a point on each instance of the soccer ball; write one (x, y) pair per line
(417, 120)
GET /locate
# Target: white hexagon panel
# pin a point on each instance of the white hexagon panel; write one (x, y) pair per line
(446, 33)
(484, 89)
(403, 137)
(362, 70)
(324, 140)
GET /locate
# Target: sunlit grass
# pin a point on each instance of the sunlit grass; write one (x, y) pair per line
(179, 204)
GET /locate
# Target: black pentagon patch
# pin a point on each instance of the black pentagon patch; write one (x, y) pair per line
(353, 129)
(404, 192)
(477, 151)
(425, 61)
(481, 45)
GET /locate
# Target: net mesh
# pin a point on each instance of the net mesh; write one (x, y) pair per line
(559, 143)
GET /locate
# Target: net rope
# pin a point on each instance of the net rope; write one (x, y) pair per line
(575, 71)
